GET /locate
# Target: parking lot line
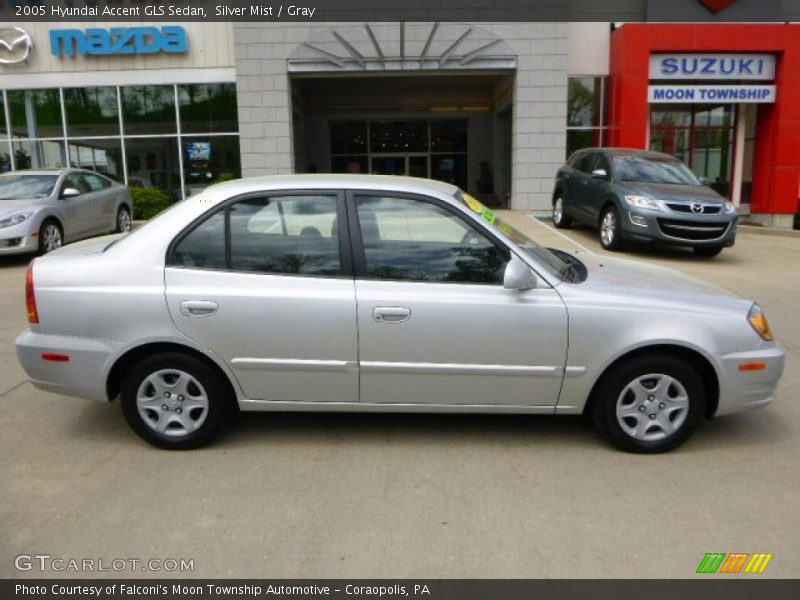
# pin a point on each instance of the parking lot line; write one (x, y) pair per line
(566, 237)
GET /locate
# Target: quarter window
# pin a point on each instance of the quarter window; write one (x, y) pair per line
(407, 239)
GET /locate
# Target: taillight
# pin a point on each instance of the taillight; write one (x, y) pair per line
(30, 297)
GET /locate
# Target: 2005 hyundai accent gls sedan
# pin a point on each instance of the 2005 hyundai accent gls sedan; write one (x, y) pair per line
(368, 293)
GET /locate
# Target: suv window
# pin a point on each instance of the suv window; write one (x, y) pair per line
(294, 235)
(411, 239)
(585, 162)
(96, 183)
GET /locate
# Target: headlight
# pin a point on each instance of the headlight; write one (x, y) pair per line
(729, 208)
(644, 202)
(758, 321)
(14, 219)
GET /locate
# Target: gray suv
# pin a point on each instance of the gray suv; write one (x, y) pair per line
(642, 196)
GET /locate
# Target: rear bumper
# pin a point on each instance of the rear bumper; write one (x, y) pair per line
(745, 390)
(83, 375)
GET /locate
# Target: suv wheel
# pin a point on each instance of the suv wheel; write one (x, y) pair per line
(560, 220)
(610, 229)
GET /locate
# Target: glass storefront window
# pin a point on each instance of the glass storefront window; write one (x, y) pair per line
(35, 113)
(153, 162)
(449, 135)
(39, 154)
(587, 112)
(5, 153)
(349, 137)
(349, 164)
(101, 155)
(208, 160)
(451, 168)
(208, 108)
(398, 136)
(91, 111)
(149, 110)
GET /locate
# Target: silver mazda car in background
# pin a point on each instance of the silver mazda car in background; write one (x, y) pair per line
(391, 294)
(41, 210)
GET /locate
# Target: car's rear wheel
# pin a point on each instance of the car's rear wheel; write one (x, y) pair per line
(175, 401)
(649, 404)
(50, 236)
(610, 229)
(560, 219)
(707, 251)
(123, 220)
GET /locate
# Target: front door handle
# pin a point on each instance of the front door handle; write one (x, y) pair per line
(391, 314)
(198, 308)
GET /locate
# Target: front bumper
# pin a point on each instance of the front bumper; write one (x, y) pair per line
(745, 390)
(678, 228)
(19, 239)
(83, 375)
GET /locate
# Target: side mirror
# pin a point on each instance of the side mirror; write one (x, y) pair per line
(600, 174)
(519, 276)
(70, 192)
(703, 180)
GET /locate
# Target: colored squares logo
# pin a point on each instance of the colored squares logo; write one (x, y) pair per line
(735, 562)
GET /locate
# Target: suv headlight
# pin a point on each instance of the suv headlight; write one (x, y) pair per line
(758, 321)
(644, 202)
(729, 208)
(14, 219)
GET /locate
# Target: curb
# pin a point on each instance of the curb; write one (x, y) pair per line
(760, 230)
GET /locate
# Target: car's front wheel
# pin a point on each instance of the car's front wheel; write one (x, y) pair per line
(649, 404)
(123, 220)
(707, 251)
(610, 229)
(50, 236)
(560, 219)
(175, 401)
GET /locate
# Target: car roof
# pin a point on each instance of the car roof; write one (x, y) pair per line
(335, 181)
(52, 171)
(620, 151)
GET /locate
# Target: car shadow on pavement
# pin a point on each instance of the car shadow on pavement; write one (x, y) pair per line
(15, 260)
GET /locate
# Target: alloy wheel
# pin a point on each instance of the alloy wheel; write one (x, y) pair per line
(608, 228)
(123, 221)
(51, 237)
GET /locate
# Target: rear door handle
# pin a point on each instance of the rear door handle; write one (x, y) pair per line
(391, 314)
(198, 308)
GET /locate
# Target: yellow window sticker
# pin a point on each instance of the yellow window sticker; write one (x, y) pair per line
(474, 204)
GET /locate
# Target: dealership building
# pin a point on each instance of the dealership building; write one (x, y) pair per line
(493, 107)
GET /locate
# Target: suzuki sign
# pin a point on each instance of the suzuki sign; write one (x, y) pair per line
(754, 67)
(118, 40)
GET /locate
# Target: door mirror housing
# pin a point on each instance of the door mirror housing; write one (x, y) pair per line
(703, 180)
(519, 276)
(600, 174)
(70, 192)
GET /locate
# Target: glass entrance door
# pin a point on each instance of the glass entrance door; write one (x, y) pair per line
(701, 136)
(415, 165)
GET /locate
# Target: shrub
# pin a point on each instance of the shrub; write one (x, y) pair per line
(225, 176)
(148, 202)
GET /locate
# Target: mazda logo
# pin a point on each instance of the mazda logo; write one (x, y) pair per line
(697, 208)
(16, 45)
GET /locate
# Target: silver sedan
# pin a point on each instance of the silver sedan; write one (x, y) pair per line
(366, 293)
(41, 210)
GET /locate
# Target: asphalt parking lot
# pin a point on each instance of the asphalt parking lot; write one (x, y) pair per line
(422, 496)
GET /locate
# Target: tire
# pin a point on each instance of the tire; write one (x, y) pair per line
(123, 220)
(610, 229)
(649, 421)
(165, 421)
(51, 236)
(707, 251)
(560, 219)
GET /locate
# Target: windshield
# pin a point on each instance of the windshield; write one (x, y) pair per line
(554, 264)
(26, 187)
(653, 170)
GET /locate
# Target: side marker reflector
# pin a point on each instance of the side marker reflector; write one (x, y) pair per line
(55, 357)
(752, 366)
